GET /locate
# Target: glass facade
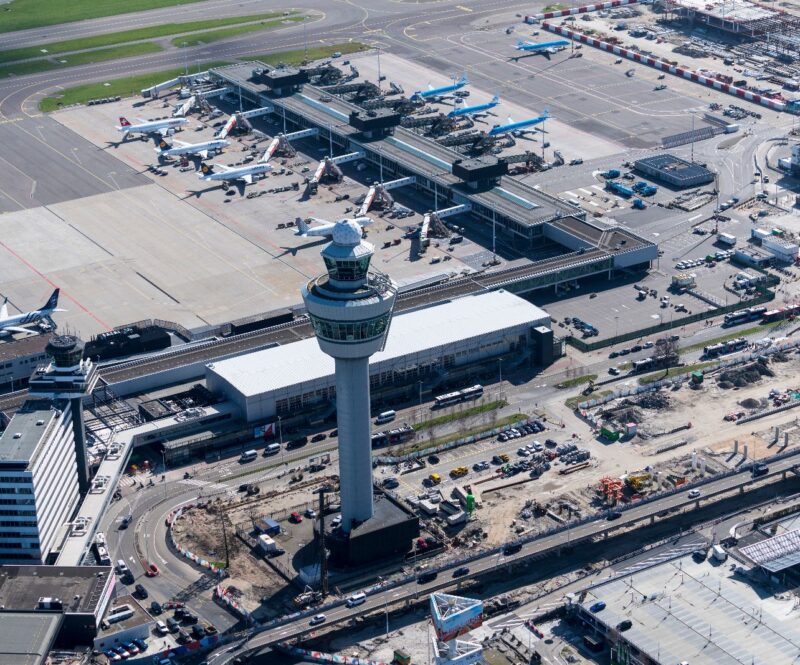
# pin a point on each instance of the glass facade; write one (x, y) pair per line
(347, 270)
(351, 331)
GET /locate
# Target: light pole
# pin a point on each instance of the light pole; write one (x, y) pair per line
(500, 368)
(280, 440)
(164, 463)
(420, 394)
(616, 326)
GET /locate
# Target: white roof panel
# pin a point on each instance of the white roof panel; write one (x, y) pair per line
(411, 332)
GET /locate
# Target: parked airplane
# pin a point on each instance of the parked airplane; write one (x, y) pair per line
(513, 127)
(199, 149)
(474, 110)
(326, 228)
(438, 92)
(152, 127)
(243, 173)
(545, 48)
(9, 324)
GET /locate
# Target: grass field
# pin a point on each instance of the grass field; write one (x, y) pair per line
(573, 402)
(576, 381)
(460, 415)
(125, 36)
(101, 55)
(297, 56)
(440, 441)
(24, 14)
(739, 332)
(673, 371)
(131, 85)
(226, 33)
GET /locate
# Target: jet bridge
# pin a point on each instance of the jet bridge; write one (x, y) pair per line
(379, 194)
(329, 167)
(432, 224)
(239, 119)
(281, 143)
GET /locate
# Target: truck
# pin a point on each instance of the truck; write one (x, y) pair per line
(639, 204)
(644, 189)
(719, 553)
(268, 526)
(619, 188)
(726, 239)
(611, 173)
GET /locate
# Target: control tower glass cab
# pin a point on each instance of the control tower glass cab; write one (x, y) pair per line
(66, 352)
(350, 308)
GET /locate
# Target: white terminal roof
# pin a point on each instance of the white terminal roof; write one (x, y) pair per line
(409, 333)
(731, 11)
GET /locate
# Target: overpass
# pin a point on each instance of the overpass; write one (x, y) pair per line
(296, 626)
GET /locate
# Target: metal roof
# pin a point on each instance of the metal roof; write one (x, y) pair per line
(703, 613)
(413, 332)
(22, 436)
(776, 553)
(26, 637)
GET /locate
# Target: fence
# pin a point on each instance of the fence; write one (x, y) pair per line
(765, 295)
(203, 563)
(673, 380)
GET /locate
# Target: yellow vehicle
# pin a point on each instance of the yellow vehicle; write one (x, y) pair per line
(435, 478)
(504, 457)
(459, 471)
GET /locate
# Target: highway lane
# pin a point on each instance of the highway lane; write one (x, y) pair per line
(490, 561)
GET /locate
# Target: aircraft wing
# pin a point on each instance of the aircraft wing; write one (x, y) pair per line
(203, 154)
(16, 329)
(4, 310)
(181, 144)
(247, 178)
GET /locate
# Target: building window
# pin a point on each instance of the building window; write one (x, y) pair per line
(353, 331)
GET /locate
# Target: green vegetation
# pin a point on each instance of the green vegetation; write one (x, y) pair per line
(113, 53)
(417, 446)
(130, 85)
(674, 371)
(297, 56)
(225, 33)
(765, 327)
(576, 381)
(460, 415)
(138, 34)
(24, 14)
(573, 401)
(556, 6)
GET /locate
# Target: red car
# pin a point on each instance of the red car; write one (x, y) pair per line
(296, 518)
(152, 570)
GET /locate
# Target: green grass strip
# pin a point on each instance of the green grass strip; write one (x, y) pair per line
(573, 401)
(297, 56)
(226, 33)
(442, 440)
(101, 55)
(25, 14)
(576, 381)
(674, 371)
(460, 415)
(124, 87)
(135, 35)
(744, 332)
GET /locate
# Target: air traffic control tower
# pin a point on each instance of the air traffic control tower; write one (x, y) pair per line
(350, 309)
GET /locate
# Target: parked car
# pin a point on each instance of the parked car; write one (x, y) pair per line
(141, 591)
(599, 606)
(295, 518)
(155, 608)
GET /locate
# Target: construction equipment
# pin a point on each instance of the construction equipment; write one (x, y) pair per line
(637, 481)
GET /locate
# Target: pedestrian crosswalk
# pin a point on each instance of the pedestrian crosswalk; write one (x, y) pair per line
(206, 484)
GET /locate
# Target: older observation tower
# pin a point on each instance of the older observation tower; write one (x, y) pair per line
(350, 308)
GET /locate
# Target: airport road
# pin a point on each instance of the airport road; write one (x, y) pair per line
(540, 547)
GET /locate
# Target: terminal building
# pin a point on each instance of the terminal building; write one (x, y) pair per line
(522, 215)
(674, 171)
(38, 482)
(431, 345)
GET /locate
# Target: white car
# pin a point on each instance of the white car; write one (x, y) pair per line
(317, 619)
(693, 494)
(522, 452)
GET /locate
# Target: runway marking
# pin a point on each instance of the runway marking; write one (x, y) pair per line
(572, 194)
(691, 219)
(463, 9)
(586, 191)
(597, 187)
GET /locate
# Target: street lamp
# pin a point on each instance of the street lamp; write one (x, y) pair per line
(382, 582)
(616, 326)
(280, 440)
(500, 368)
